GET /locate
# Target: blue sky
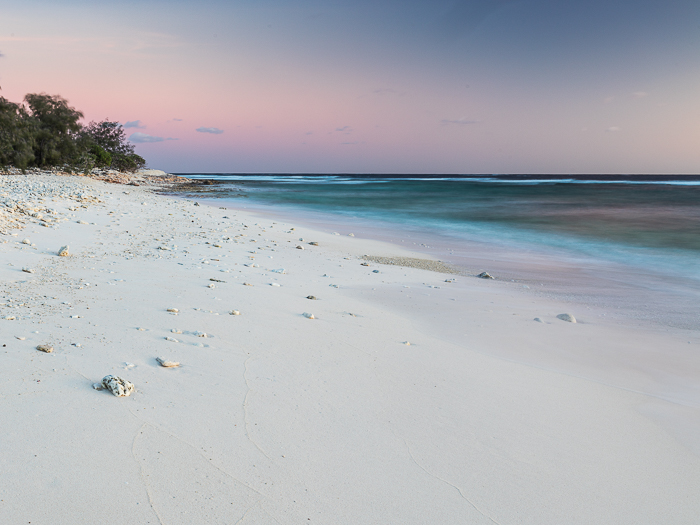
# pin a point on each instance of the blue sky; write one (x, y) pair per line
(476, 86)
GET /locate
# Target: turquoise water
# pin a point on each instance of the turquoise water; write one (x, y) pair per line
(646, 222)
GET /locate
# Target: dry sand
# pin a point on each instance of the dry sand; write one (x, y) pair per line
(487, 416)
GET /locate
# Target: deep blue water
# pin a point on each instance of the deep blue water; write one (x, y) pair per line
(649, 221)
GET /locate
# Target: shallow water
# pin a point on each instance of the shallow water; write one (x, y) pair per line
(644, 223)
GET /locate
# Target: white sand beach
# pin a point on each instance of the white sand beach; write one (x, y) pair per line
(411, 396)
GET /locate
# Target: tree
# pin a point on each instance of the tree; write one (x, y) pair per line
(16, 135)
(109, 141)
(56, 130)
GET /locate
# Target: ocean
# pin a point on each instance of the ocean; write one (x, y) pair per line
(641, 232)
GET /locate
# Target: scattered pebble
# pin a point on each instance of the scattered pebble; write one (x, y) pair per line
(201, 334)
(211, 285)
(128, 365)
(173, 310)
(485, 275)
(308, 315)
(167, 363)
(176, 331)
(539, 320)
(247, 284)
(20, 337)
(567, 317)
(234, 312)
(217, 280)
(171, 339)
(141, 329)
(118, 386)
(299, 247)
(76, 344)
(375, 271)
(81, 222)
(63, 252)
(313, 243)
(312, 297)
(407, 343)
(28, 270)
(26, 241)
(364, 264)
(351, 234)
(45, 348)
(274, 284)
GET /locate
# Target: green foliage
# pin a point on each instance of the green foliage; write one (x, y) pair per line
(46, 132)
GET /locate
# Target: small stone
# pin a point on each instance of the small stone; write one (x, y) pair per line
(351, 234)
(26, 241)
(299, 247)
(211, 285)
(308, 315)
(173, 310)
(312, 297)
(165, 363)
(176, 331)
(28, 270)
(20, 337)
(407, 343)
(171, 339)
(217, 280)
(567, 317)
(82, 222)
(128, 365)
(118, 386)
(45, 348)
(274, 284)
(98, 386)
(313, 243)
(201, 334)
(247, 284)
(485, 275)
(10, 317)
(141, 329)
(539, 320)
(375, 271)
(234, 312)
(63, 252)
(364, 264)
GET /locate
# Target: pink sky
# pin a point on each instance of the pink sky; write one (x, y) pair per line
(317, 89)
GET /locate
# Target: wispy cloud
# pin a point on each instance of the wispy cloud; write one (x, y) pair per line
(134, 124)
(213, 131)
(143, 138)
(344, 129)
(612, 129)
(177, 119)
(640, 94)
(348, 143)
(460, 121)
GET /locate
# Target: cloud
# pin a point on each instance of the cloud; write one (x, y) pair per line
(612, 129)
(214, 131)
(143, 138)
(640, 94)
(1, 55)
(346, 129)
(134, 124)
(348, 143)
(460, 121)
(177, 119)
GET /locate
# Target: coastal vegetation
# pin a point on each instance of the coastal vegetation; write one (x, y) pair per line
(45, 132)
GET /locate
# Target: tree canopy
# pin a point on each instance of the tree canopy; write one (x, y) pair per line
(46, 132)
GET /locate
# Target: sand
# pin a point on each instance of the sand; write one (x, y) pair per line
(485, 416)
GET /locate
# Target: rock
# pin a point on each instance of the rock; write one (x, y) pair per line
(82, 222)
(313, 243)
(375, 271)
(279, 270)
(20, 337)
(98, 386)
(165, 363)
(118, 386)
(351, 234)
(63, 252)
(567, 317)
(217, 280)
(485, 275)
(45, 348)
(539, 320)
(407, 343)
(364, 264)
(173, 310)
(28, 270)
(26, 241)
(171, 339)
(247, 284)
(201, 334)
(308, 315)
(274, 284)
(175, 331)
(299, 247)
(234, 312)
(312, 297)
(128, 365)
(211, 285)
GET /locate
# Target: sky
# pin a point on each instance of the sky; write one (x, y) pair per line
(382, 86)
